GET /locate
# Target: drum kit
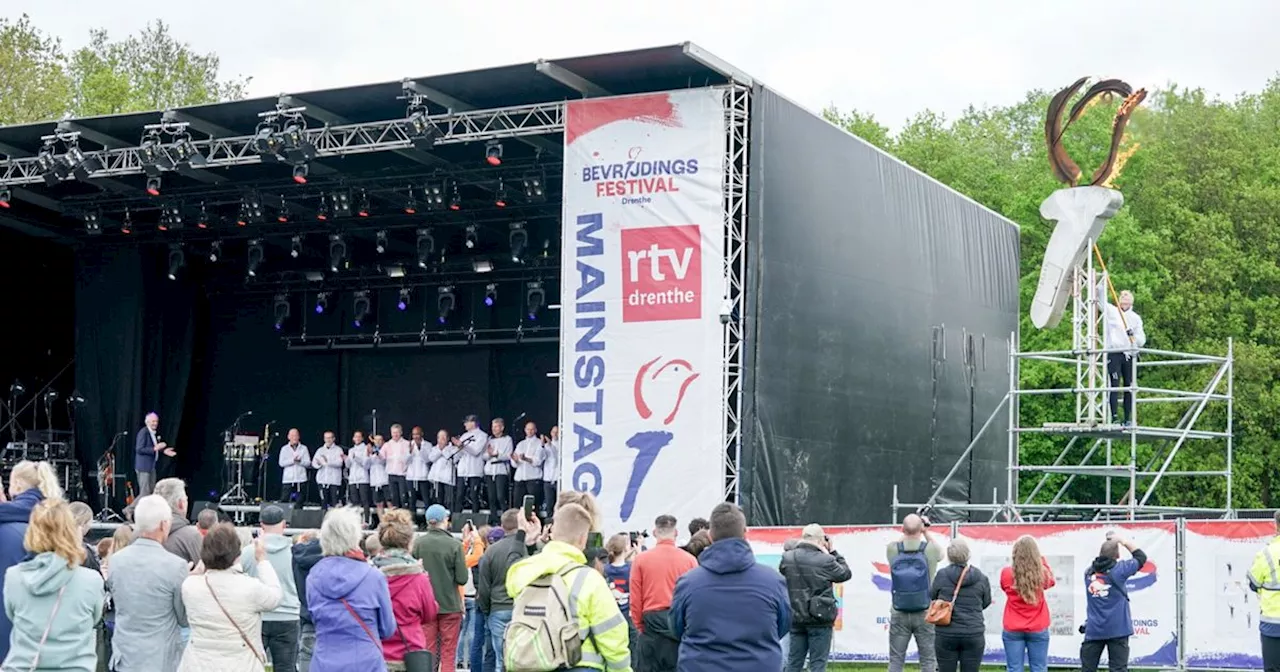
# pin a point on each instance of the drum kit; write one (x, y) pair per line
(242, 457)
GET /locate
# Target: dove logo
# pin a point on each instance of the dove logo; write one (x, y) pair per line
(1143, 579)
(658, 391)
(661, 273)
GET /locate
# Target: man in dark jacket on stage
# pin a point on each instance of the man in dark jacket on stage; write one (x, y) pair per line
(811, 571)
(730, 612)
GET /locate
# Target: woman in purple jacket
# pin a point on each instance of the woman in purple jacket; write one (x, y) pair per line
(348, 600)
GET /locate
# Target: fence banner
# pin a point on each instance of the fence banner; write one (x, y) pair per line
(861, 629)
(1222, 613)
(1070, 550)
(642, 345)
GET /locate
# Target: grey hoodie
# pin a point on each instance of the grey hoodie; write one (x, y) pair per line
(31, 591)
(280, 555)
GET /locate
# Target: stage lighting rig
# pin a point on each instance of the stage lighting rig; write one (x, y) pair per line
(410, 204)
(92, 223)
(47, 162)
(490, 294)
(445, 302)
(337, 252)
(479, 265)
(215, 251)
(126, 223)
(403, 303)
(153, 185)
(185, 151)
(535, 187)
(5, 197)
(472, 238)
(493, 153)
(455, 199)
(534, 298)
(426, 246)
(500, 194)
(283, 214)
(322, 302)
(434, 195)
(257, 253)
(381, 244)
(203, 220)
(295, 247)
(300, 172)
(362, 204)
(177, 259)
(422, 133)
(250, 209)
(341, 203)
(80, 165)
(266, 140)
(322, 211)
(152, 155)
(519, 239)
(173, 211)
(282, 310)
(360, 308)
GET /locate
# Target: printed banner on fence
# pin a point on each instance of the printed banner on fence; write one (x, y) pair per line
(1070, 550)
(643, 258)
(1222, 612)
(862, 625)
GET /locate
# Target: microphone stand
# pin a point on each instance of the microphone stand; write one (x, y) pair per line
(107, 490)
(235, 490)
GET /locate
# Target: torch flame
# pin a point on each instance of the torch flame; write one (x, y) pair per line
(1121, 159)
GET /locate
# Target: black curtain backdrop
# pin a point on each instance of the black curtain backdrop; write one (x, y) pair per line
(148, 343)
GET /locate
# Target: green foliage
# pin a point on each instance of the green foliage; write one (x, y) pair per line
(148, 71)
(1197, 242)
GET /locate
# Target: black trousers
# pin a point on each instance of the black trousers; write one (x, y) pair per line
(962, 650)
(294, 491)
(442, 494)
(424, 492)
(1270, 654)
(280, 638)
(549, 491)
(329, 495)
(469, 493)
(527, 488)
(498, 501)
(398, 490)
(1117, 654)
(361, 495)
(1120, 374)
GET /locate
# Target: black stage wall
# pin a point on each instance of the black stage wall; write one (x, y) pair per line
(148, 343)
(867, 283)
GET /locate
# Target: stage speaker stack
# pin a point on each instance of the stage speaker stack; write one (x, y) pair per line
(306, 519)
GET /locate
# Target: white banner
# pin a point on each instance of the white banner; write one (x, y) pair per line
(1222, 613)
(642, 345)
(1070, 550)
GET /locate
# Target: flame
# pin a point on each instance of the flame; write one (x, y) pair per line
(1131, 102)
(1121, 159)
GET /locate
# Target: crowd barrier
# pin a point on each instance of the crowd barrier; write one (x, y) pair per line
(1210, 623)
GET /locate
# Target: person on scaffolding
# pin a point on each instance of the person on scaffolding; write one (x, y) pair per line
(1123, 336)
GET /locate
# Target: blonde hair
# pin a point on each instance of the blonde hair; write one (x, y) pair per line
(82, 513)
(395, 529)
(582, 499)
(53, 530)
(617, 546)
(1028, 569)
(573, 522)
(122, 537)
(27, 475)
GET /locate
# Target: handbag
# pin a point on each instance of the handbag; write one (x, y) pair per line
(35, 662)
(416, 660)
(262, 658)
(940, 610)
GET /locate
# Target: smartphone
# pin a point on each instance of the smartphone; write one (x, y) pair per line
(595, 540)
(466, 527)
(528, 507)
(255, 532)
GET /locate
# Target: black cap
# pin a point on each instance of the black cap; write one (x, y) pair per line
(271, 515)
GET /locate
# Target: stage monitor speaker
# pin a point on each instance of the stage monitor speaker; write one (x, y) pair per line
(307, 519)
(288, 511)
(201, 506)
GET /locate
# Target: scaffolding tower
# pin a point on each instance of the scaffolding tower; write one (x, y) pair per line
(1092, 445)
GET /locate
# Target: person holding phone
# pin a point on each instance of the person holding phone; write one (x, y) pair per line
(528, 457)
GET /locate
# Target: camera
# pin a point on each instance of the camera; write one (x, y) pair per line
(1082, 627)
(726, 311)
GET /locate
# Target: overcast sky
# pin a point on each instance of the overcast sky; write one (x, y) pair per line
(889, 58)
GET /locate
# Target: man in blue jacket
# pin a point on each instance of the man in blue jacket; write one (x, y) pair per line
(1109, 623)
(730, 613)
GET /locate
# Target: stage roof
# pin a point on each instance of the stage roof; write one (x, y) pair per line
(53, 212)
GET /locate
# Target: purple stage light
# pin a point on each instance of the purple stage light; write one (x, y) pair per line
(402, 305)
(533, 317)
(442, 320)
(319, 309)
(357, 323)
(488, 300)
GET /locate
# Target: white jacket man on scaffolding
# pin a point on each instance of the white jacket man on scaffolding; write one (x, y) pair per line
(1123, 334)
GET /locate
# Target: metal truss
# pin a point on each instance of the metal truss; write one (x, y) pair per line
(1086, 338)
(738, 123)
(333, 141)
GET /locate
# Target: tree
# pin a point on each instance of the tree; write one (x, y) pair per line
(33, 78)
(150, 71)
(1196, 241)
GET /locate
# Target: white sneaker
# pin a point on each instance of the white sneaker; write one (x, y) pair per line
(1081, 214)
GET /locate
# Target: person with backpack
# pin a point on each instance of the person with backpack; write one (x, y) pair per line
(812, 569)
(1108, 623)
(913, 561)
(555, 592)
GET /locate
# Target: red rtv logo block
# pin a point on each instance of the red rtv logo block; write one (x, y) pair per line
(661, 273)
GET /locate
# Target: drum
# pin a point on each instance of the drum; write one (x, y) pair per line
(232, 452)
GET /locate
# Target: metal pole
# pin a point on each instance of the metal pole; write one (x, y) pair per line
(1231, 374)
(965, 455)
(1011, 458)
(1180, 544)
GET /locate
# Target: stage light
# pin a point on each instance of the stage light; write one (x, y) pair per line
(422, 133)
(153, 185)
(341, 203)
(242, 218)
(151, 152)
(455, 199)
(215, 251)
(176, 260)
(362, 204)
(322, 302)
(445, 301)
(410, 204)
(16, 388)
(395, 271)
(360, 308)
(500, 194)
(519, 239)
(534, 298)
(202, 222)
(493, 153)
(434, 195)
(92, 223)
(381, 244)
(426, 245)
(403, 303)
(535, 187)
(163, 224)
(250, 209)
(322, 212)
(472, 237)
(546, 248)
(76, 399)
(295, 247)
(298, 150)
(173, 210)
(282, 310)
(126, 223)
(265, 141)
(300, 173)
(5, 196)
(80, 165)
(490, 294)
(256, 255)
(337, 252)
(481, 265)
(185, 152)
(282, 215)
